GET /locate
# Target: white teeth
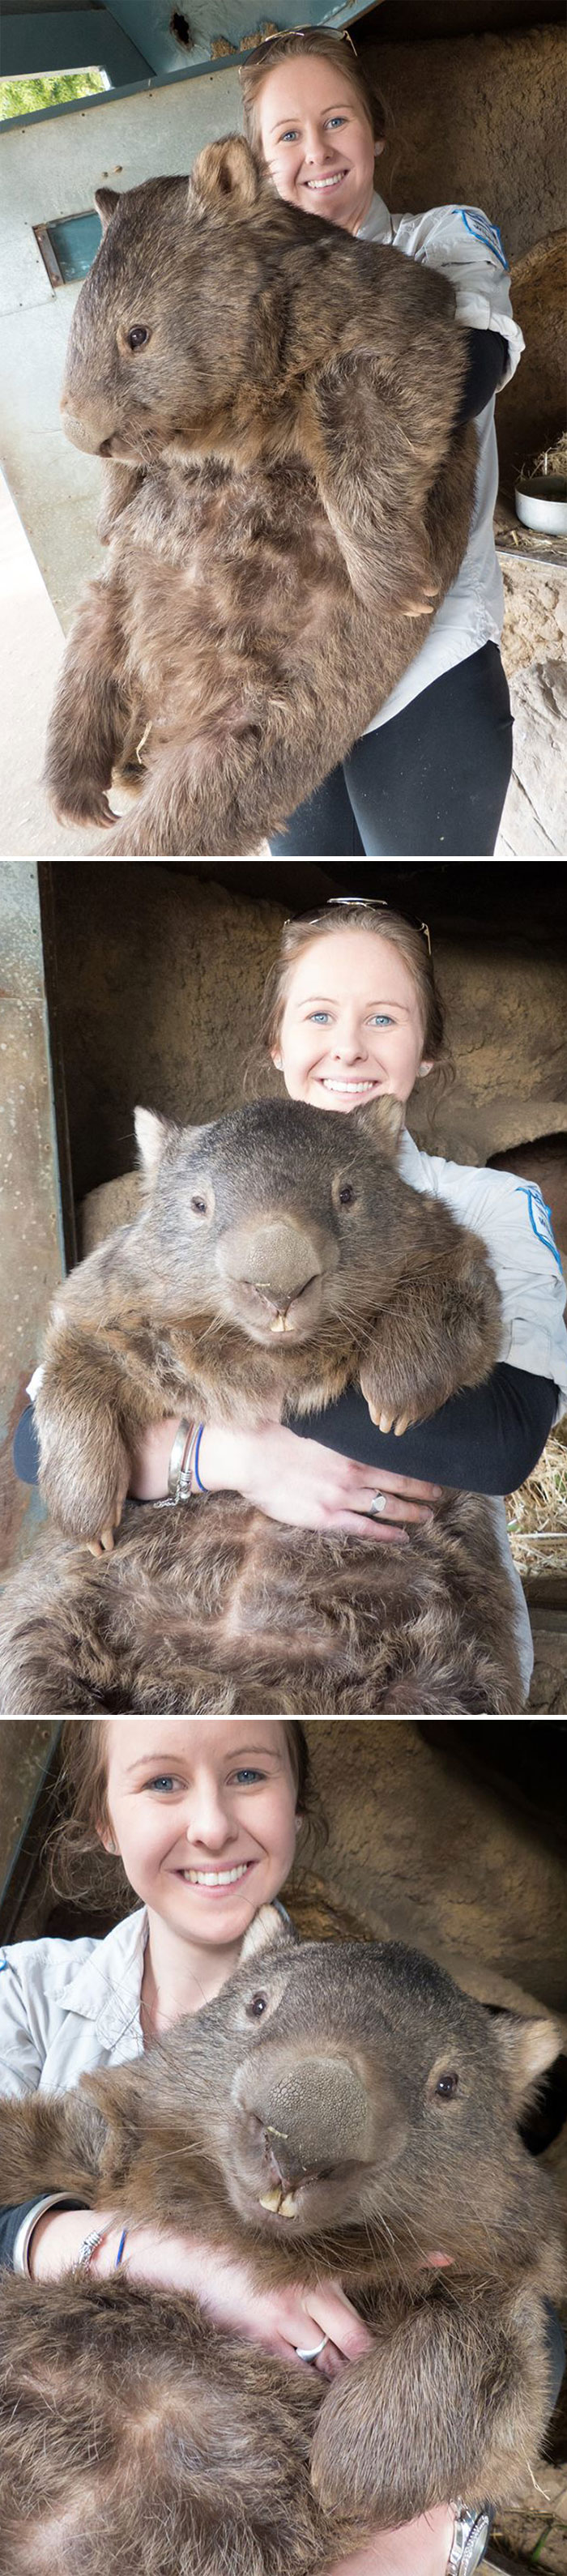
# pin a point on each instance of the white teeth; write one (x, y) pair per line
(326, 183)
(347, 1086)
(285, 2204)
(215, 1877)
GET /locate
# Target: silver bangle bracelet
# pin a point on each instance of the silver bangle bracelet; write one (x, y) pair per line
(186, 1432)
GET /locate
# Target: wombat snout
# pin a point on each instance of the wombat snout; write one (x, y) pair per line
(275, 1274)
(302, 2127)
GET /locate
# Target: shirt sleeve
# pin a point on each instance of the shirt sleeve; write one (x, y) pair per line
(515, 1224)
(468, 249)
(20, 2059)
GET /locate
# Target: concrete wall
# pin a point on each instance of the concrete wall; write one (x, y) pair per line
(31, 1243)
(52, 168)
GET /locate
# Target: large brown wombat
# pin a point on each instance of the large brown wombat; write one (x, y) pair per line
(279, 1256)
(287, 505)
(337, 2110)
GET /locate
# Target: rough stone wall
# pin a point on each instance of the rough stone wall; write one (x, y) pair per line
(431, 1855)
(534, 639)
(477, 121)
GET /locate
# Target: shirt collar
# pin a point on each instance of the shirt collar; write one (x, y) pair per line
(378, 224)
(106, 1987)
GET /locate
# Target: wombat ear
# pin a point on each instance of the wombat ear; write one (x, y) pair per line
(383, 1120)
(225, 177)
(106, 199)
(526, 2048)
(152, 1135)
(268, 1926)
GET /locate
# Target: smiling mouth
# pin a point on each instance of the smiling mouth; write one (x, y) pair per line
(333, 180)
(215, 1878)
(343, 1088)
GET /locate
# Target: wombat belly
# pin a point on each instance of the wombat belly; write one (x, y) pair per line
(212, 1606)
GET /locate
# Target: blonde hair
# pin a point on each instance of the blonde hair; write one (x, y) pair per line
(327, 48)
(79, 1867)
(297, 936)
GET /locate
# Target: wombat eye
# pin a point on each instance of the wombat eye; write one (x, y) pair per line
(346, 1195)
(137, 336)
(257, 2007)
(198, 1206)
(447, 2087)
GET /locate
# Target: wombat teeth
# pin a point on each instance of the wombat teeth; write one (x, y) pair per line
(284, 2203)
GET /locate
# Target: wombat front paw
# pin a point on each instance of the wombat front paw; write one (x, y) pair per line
(345, 2464)
(103, 1545)
(89, 808)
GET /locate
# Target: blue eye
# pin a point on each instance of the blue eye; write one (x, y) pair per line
(246, 1774)
(382, 1020)
(291, 136)
(163, 1780)
(318, 1015)
(336, 120)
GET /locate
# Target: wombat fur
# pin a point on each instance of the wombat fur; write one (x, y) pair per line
(376, 2107)
(287, 503)
(279, 1257)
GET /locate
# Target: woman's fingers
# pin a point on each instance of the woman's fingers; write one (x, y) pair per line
(330, 2311)
(362, 1525)
(387, 1481)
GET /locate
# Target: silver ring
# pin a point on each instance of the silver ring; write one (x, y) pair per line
(377, 1505)
(316, 2349)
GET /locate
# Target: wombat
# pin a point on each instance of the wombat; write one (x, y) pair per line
(287, 503)
(365, 2116)
(279, 1257)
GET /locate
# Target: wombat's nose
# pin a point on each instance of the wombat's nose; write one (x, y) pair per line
(318, 2114)
(276, 1259)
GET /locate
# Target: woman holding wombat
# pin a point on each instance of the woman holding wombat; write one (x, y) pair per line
(205, 1819)
(432, 770)
(351, 1010)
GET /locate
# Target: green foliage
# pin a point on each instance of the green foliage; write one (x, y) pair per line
(46, 89)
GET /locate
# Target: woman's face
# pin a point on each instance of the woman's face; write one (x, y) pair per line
(204, 1815)
(317, 142)
(352, 1024)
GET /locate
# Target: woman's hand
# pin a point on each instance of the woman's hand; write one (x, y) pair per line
(309, 1487)
(417, 2549)
(280, 2320)
(291, 1480)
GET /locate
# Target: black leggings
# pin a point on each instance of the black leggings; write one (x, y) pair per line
(430, 783)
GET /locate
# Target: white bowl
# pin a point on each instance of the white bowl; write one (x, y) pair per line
(541, 502)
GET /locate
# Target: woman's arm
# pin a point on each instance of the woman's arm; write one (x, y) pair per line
(487, 365)
(484, 1441)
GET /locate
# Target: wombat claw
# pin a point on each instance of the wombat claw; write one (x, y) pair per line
(103, 1545)
(395, 1422)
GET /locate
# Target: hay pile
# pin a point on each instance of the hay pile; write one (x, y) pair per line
(537, 1514)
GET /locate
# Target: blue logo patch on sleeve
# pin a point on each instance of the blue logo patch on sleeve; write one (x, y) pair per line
(478, 224)
(539, 1216)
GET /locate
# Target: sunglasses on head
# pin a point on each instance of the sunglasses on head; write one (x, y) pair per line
(362, 903)
(255, 53)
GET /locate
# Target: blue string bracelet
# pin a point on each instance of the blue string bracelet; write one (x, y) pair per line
(203, 1489)
(121, 2248)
